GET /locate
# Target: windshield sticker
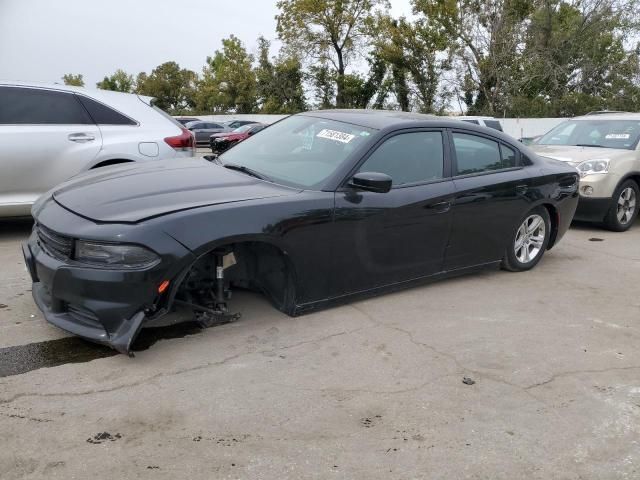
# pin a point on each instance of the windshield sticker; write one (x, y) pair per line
(617, 136)
(335, 135)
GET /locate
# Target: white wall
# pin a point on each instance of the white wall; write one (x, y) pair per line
(254, 117)
(516, 127)
(529, 127)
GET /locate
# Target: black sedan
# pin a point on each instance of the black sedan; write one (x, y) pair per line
(319, 208)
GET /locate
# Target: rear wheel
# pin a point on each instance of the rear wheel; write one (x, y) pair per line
(624, 207)
(529, 241)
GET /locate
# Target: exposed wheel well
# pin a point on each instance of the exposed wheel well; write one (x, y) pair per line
(113, 161)
(257, 266)
(553, 217)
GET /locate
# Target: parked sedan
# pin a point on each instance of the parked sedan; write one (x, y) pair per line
(203, 130)
(219, 142)
(49, 133)
(232, 124)
(185, 120)
(319, 208)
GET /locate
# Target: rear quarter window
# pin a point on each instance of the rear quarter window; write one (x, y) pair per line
(102, 114)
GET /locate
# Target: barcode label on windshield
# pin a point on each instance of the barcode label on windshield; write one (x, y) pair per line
(617, 136)
(335, 135)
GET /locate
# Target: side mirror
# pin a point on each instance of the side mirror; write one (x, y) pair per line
(371, 181)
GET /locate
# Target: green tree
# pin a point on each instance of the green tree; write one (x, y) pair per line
(172, 87)
(322, 80)
(361, 90)
(228, 82)
(120, 81)
(279, 85)
(328, 32)
(575, 60)
(485, 36)
(73, 79)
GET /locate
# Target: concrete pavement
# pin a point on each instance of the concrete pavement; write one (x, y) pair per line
(370, 390)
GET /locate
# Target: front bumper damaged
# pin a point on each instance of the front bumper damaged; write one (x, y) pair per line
(97, 305)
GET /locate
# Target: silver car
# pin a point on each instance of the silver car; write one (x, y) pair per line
(605, 150)
(49, 133)
(202, 130)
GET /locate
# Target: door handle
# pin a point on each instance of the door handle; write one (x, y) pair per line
(441, 207)
(81, 137)
(521, 189)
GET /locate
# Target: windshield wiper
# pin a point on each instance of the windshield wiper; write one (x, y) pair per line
(247, 170)
(589, 145)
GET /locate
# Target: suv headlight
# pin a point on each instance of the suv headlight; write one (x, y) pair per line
(111, 255)
(592, 167)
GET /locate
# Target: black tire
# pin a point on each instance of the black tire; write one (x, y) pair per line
(612, 220)
(517, 262)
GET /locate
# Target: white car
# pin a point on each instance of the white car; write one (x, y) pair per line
(49, 133)
(489, 122)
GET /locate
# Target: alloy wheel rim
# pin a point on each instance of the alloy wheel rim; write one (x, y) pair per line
(530, 239)
(626, 205)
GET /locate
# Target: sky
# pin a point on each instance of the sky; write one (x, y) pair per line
(41, 40)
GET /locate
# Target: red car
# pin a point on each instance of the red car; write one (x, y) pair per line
(220, 142)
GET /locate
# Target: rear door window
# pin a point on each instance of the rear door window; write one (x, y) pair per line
(102, 114)
(34, 106)
(476, 154)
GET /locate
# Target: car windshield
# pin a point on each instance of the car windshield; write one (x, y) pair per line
(299, 151)
(243, 128)
(622, 134)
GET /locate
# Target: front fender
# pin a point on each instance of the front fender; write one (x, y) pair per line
(297, 227)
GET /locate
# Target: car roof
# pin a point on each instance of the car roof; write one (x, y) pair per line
(98, 94)
(393, 119)
(376, 119)
(609, 116)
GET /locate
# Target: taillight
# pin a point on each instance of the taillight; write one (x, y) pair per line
(183, 142)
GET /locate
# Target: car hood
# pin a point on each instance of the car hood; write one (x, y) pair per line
(575, 155)
(135, 192)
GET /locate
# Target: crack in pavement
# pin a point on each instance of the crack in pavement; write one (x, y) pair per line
(373, 324)
(176, 372)
(577, 372)
(363, 390)
(463, 368)
(593, 250)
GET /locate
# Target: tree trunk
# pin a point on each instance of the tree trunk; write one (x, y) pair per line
(340, 80)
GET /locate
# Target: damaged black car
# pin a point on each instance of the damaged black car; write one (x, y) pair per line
(320, 208)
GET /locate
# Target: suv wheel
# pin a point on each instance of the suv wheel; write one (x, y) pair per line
(624, 207)
(529, 242)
